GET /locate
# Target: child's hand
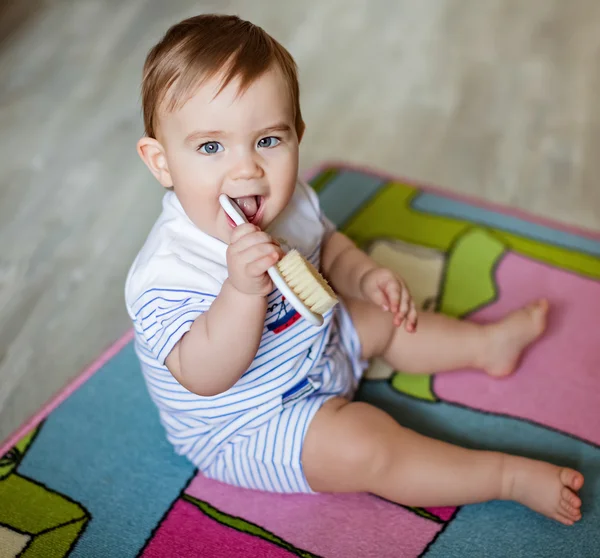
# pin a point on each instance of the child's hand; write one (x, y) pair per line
(384, 288)
(250, 253)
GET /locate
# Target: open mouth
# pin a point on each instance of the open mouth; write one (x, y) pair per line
(252, 207)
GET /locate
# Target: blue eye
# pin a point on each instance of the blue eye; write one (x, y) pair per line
(270, 141)
(210, 148)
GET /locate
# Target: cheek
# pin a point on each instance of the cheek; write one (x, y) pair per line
(286, 165)
(193, 169)
(179, 167)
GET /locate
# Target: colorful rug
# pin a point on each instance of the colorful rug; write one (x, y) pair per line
(92, 474)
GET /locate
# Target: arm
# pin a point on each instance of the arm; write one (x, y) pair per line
(221, 344)
(344, 265)
(354, 274)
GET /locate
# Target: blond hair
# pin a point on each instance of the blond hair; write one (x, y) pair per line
(201, 47)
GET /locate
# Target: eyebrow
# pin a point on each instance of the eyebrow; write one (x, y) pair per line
(200, 134)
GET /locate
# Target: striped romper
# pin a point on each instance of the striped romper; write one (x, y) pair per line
(252, 434)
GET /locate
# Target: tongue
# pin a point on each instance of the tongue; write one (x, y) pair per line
(248, 204)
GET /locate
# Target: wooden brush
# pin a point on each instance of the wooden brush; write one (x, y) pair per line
(297, 279)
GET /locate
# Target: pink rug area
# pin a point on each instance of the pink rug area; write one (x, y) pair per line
(364, 525)
(188, 532)
(558, 373)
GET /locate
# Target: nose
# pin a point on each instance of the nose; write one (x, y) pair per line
(246, 166)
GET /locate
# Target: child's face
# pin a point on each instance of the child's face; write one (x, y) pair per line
(244, 146)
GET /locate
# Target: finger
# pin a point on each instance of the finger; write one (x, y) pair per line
(379, 297)
(241, 231)
(404, 304)
(411, 319)
(258, 267)
(403, 309)
(251, 239)
(258, 251)
(393, 295)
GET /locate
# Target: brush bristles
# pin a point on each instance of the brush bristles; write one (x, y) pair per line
(307, 282)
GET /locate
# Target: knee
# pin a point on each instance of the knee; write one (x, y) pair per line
(370, 458)
(374, 326)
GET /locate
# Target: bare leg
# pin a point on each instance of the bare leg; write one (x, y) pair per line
(442, 343)
(352, 447)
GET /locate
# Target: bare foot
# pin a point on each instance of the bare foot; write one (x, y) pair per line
(511, 335)
(543, 487)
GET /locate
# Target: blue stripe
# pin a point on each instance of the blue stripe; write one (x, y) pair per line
(257, 447)
(271, 444)
(178, 419)
(165, 374)
(237, 424)
(295, 389)
(157, 387)
(143, 348)
(298, 439)
(236, 456)
(154, 300)
(231, 467)
(238, 468)
(290, 457)
(279, 448)
(251, 468)
(287, 340)
(229, 429)
(161, 389)
(346, 193)
(183, 436)
(160, 353)
(299, 435)
(146, 317)
(168, 290)
(159, 376)
(237, 404)
(179, 316)
(308, 412)
(258, 357)
(154, 335)
(167, 299)
(175, 308)
(153, 324)
(252, 384)
(446, 207)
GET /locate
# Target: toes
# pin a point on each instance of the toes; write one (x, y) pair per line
(563, 519)
(539, 313)
(541, 304)
(571, 479)
(570, 511)
(570, 498)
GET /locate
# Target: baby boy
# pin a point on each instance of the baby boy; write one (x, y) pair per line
(247, 390)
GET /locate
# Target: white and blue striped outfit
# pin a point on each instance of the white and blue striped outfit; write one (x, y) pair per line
(252, 434)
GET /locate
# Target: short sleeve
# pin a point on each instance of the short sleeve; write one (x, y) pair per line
(162, 316)
(328, 225)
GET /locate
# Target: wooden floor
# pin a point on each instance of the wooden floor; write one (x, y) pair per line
(495, 98)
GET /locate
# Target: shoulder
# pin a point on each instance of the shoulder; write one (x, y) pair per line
(304, 195)
(303, 205)
(175, 258)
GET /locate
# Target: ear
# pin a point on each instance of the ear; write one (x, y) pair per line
(300, 128)
(153, 154)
